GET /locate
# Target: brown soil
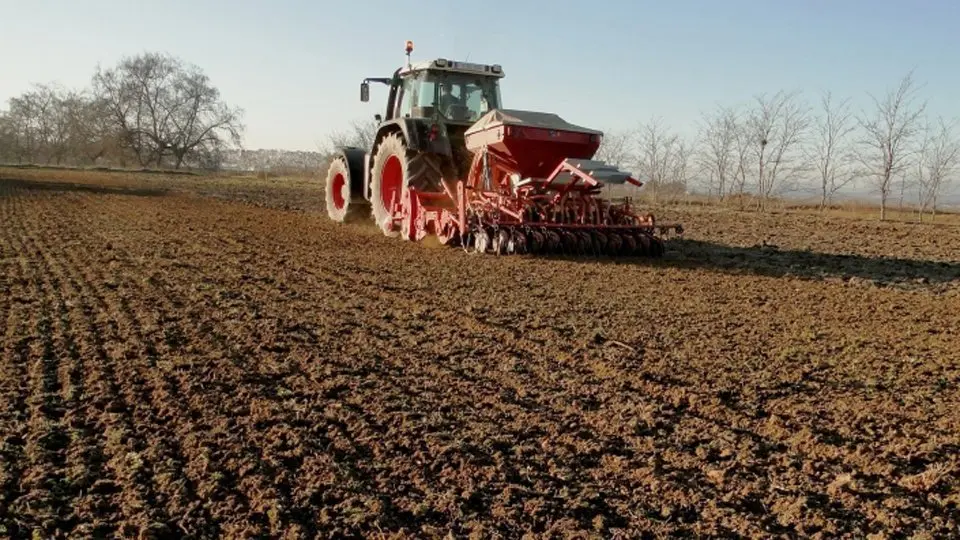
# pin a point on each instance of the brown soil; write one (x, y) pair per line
(187, 366)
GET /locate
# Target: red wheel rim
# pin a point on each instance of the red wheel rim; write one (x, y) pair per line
(391, 181)
(338, 182)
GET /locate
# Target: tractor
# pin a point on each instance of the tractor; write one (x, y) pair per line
(448, 160)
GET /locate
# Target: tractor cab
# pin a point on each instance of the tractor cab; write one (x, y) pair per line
(432, 104)
(447, 91)
(441, 90)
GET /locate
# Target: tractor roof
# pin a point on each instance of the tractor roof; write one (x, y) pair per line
(443, 64)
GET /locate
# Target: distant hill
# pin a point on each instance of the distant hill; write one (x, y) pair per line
(271, 159)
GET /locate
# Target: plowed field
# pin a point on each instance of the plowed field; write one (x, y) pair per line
(179, 365)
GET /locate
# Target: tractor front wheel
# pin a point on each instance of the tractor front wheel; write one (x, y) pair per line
(388, 180)
(396, 169)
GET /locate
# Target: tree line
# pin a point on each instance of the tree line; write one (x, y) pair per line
(154, 110)
(779, 143)
(151, 110)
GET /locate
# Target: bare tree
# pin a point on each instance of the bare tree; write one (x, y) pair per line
(906, 183)
(361, 134)
(938, 160)
(163, 107)
(743, 143)
(830, 151)
(8, 134)
(92, 133)
(776, 126)
(134, 90)
(655, 155)
(21, 130)
(683, 153)
(150, 107)
(199, 118)
(888, 132)
(615, 149)
(718, 133)
(58, 101)
(36, 124)
(30, 118)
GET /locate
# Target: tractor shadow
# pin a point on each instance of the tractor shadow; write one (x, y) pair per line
(771, 261)
(10, 186)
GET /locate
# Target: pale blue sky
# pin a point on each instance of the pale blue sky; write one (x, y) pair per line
(295, 66)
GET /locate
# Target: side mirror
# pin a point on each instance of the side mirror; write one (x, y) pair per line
(364, 91)
(378, 118)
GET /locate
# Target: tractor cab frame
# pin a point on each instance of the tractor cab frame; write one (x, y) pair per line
(429, 107)
(440, 90)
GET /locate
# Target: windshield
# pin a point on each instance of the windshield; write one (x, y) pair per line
(463, 97)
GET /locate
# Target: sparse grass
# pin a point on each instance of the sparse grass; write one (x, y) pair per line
(852, 209)
(120, 170)
(141, 178)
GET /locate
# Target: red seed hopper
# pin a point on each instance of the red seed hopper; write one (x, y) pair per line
(532, 142)
(532, 187)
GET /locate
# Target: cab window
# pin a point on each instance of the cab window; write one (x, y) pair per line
(406, 98)
(463, 97)
(416, 91)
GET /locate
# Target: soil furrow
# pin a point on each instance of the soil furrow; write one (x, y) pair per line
(257, 482)
(14, 390)
(114, 401)
(399, 450)
(85, 460)
(202, 397)
(180, 470)
(90, 490)
(446, 372)
(13, 452)
(719, 421)
(450, 373)
(39, 503)
(540, 393)
(699, 407)
(767, 446)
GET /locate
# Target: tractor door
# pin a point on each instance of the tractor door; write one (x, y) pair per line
(416, 97)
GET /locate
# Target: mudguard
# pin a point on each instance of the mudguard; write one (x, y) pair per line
(355, 158)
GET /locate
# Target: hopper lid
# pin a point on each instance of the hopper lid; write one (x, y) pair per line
(511, 117)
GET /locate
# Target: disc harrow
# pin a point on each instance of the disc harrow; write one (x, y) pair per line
(541, 240)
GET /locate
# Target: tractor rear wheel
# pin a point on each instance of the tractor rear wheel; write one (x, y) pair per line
(395, 169)
(340, 207)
